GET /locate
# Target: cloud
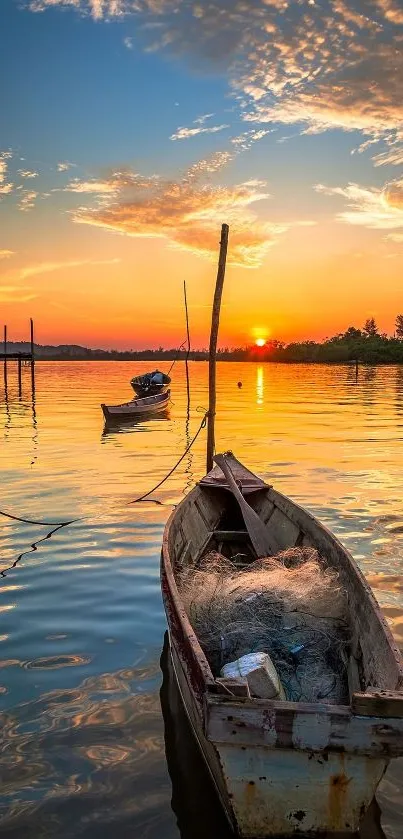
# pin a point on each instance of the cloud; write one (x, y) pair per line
(4, 254)
(26, 173)
(27, 200)
(16, 293)
(188, 212)
(128, 42)
(64, 166)
(381, 209)
(47, 267)
(5, 186)
(183, 133)
(321, 65)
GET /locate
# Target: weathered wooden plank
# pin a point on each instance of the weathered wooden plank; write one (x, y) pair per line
(233, 687)
(283, 533)
(378, 703)
(289, 725)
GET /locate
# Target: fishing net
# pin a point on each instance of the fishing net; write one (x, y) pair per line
(290, 606)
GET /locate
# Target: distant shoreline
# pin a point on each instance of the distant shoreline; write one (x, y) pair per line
(285, 362)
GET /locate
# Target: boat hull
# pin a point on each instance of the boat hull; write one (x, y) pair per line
(136, 408)
(284, 768)
(270, 792)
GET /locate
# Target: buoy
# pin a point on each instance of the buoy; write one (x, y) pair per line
(239, 384)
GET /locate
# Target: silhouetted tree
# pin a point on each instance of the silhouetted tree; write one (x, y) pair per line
(370, 327)
(399, 326)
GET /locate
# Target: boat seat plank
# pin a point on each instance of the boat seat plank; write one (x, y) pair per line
(230, 535)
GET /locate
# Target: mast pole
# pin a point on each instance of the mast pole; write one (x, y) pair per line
(215, 320)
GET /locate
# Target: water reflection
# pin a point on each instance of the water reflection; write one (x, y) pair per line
(137, 424)
(259, 385)
(81, 724)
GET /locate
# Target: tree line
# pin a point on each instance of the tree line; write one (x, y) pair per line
(367, 345)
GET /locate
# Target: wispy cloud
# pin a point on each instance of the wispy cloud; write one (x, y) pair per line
(381, 209)
(64, 166)
(27, 200)
(4, 254)
(26, 173)
(47, 267)
(128, 42)
(188, 211)
(183, 133)
(16, 294)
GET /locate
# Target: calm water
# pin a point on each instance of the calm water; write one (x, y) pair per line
(82, 622)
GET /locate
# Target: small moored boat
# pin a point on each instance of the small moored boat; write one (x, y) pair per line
(150, 383)
(136, 408)
(283, 767)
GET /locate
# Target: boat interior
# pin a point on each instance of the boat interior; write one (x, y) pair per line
(209, 519)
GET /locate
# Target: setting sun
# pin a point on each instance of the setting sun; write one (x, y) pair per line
(260, 342)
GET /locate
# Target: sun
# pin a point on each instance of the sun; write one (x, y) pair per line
(260, 342)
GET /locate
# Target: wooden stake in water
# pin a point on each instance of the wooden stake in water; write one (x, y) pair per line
(32, 358)
(188, 345)
(215, 320)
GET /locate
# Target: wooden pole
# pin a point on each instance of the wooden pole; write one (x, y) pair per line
(32, 358)
(32, 338)
(215, 320)
(5, 359)
(188, 346)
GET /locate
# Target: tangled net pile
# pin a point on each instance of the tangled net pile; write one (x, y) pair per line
(290, 606)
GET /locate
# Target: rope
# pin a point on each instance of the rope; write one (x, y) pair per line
(59, 525)
(176, 357)
(157, 486)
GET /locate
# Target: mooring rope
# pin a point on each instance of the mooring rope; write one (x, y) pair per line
(58, 525)
(177, 356)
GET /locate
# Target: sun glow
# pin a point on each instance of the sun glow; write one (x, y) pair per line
(260, 342)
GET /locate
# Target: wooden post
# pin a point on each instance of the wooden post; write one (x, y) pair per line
(215, 320)
(5, 358)
(32, 358)
(356, 369)
(188, 346)
(32, 338)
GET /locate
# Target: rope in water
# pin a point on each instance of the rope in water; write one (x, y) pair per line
(59, 524)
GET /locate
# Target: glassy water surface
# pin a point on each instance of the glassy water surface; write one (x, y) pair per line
(82, 623)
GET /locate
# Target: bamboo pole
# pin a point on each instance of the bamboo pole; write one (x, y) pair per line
(188, 347)
(215, 321)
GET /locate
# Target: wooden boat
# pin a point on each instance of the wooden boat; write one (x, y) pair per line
(145, 386)
(136, 408)
(283, 768)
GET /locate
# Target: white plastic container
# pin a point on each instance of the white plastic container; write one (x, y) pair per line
(260, 674)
